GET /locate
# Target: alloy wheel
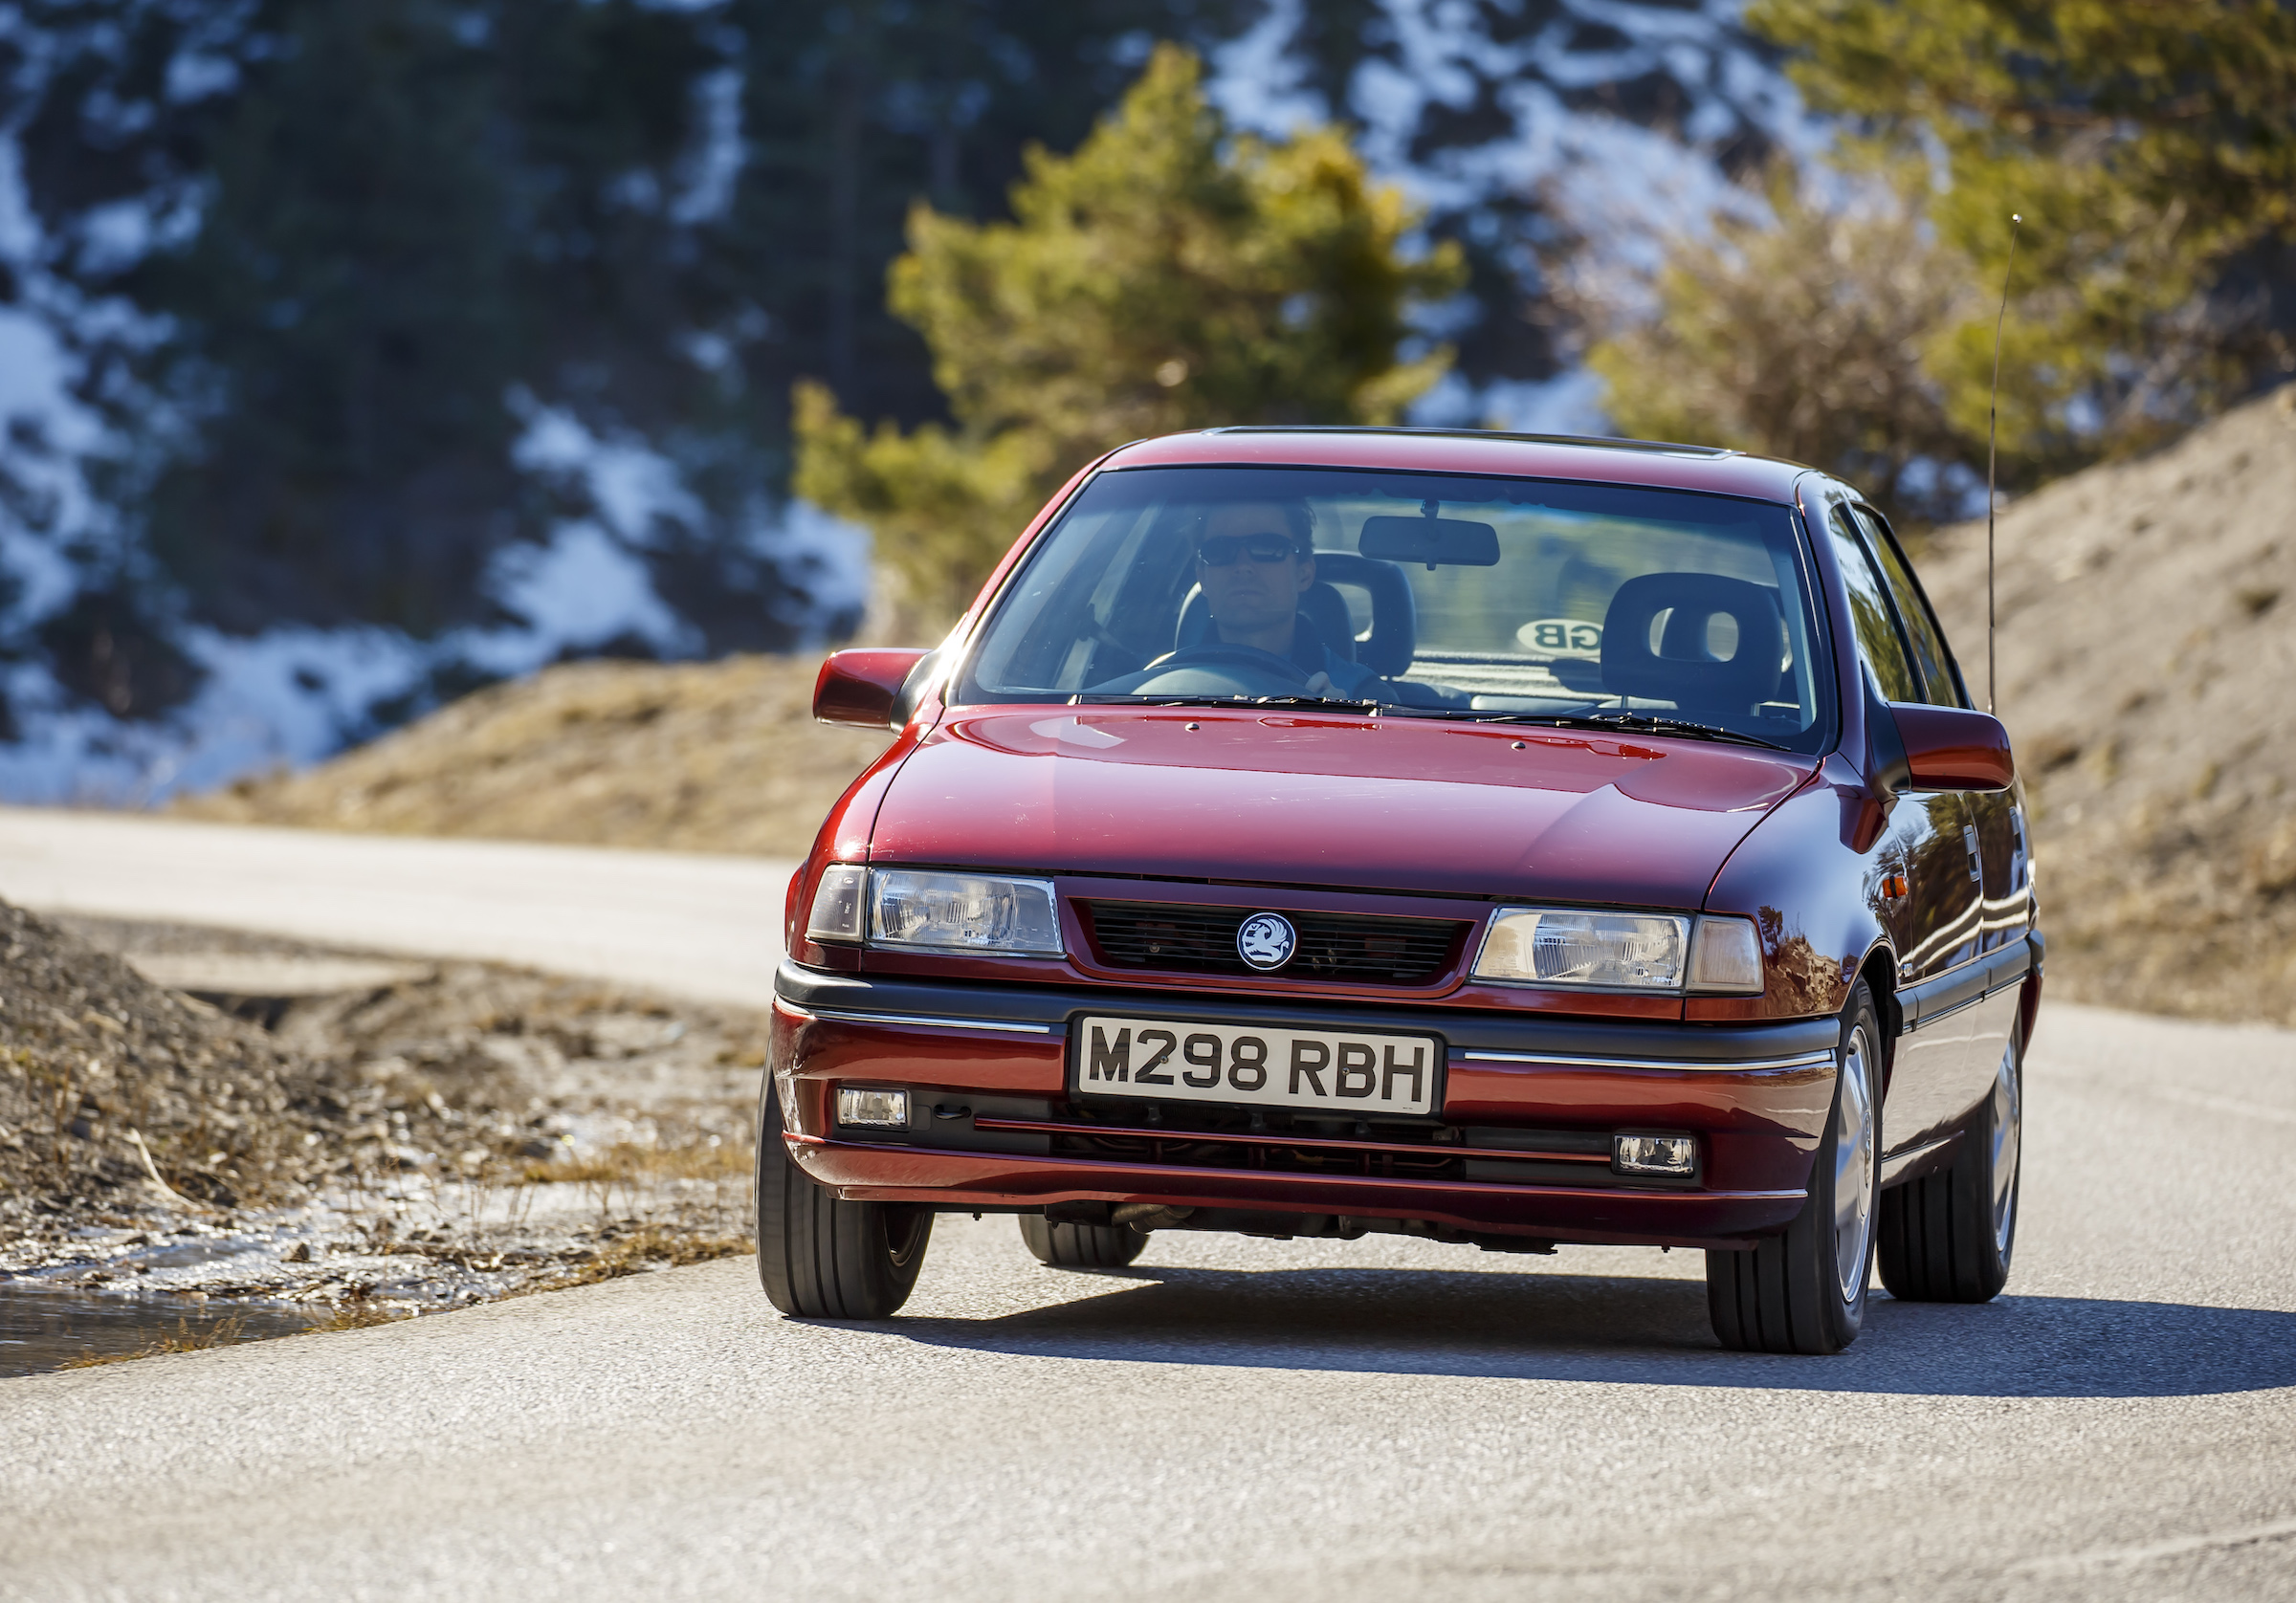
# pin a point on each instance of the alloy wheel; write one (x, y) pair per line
(2007, 1128)
(1854, 1169)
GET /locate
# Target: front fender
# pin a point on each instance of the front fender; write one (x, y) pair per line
(1809, 877)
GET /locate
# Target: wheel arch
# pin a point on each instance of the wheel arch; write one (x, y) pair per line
(1879, 972)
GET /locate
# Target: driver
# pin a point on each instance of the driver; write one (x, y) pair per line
(1255, 561)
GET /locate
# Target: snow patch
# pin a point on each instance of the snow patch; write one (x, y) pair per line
(581, 591)
(634, 487)
(708, 190)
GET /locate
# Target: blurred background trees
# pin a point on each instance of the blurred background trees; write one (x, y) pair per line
(2150, 146)
(1169, 274)
(364, 300)
(1806, 339)
(354, 353)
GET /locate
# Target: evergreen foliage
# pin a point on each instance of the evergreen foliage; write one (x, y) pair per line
(2151, 148)
(1166, 276)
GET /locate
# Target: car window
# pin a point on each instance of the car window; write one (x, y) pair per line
(1879, 644)
(1436, 593)
(1942, 684)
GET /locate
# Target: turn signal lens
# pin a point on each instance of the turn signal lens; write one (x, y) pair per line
(966, 912)
(1726, 955)
(867, 1106)
(1654, 1154)
(839, 901)
(1555, 946)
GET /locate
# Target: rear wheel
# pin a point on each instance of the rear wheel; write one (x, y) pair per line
(1804, 1291)
(1082, 1247)
(819, 1256)
(1948, 1238)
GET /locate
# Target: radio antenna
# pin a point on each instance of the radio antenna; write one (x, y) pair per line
(1993, 408)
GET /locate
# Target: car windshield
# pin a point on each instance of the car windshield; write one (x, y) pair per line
(1430, 595)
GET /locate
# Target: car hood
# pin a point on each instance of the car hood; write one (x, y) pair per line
(1396, 803)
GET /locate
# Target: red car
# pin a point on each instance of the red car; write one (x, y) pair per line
(1497, 840)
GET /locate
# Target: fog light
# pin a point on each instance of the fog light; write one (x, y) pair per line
(869, 1105)
(1654, 1154)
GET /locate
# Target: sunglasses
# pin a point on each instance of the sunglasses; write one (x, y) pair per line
(1220, 551)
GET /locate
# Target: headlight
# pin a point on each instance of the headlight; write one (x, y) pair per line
(1561, 945)
(948, 913)
(1621, 951)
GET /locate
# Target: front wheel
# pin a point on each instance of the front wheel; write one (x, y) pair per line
(819, 1256)
(1804, 1291)
(1948, 1238)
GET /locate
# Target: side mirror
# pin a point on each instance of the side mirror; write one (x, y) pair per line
(862, 689)
(1950, 748)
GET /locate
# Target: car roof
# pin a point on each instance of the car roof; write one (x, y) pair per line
(1583, 459)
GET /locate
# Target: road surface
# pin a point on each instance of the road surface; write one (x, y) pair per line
(708, 928)
(1252, 1420)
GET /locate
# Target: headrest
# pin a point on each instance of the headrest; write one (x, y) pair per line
(1684, 668)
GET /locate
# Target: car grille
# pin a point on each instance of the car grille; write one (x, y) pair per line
(1186, 939)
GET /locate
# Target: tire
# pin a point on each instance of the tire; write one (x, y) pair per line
(1804, 1291)
(819, 1256)
(1949, 1237)
(1082, 1247)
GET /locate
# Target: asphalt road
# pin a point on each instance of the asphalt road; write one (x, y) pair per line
(681, 922)
(1263, 1421)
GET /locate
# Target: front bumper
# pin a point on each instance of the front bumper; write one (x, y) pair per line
(1529, 1103)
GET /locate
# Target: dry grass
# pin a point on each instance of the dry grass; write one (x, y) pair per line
(630, 1163)
(224, 1332)
(643, 1250)
(694, 757)
(358, 1314)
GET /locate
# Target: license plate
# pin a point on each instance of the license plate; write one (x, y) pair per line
(1339, 1072)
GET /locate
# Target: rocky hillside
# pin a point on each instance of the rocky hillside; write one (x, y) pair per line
(2147, 648)
(718, 756)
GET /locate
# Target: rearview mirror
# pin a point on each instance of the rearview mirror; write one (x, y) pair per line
(1438, 542)
(862, 689)
(1951, 748)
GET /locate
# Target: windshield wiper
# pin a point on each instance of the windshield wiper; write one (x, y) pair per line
(1654, 723)
(1660, 724)
(1099, 698)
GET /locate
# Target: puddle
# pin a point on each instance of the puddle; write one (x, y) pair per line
(42, 1330)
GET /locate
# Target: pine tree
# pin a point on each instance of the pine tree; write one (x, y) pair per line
(1166, 276)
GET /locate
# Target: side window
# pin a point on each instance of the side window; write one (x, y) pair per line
(1914, 610)
(1878, 642)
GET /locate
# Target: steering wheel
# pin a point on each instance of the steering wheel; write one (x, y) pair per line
(1223, 671)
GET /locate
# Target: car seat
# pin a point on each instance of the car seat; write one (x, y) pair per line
(1684, 668)
(1386, 648)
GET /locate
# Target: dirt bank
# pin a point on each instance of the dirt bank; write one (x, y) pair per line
(338, 1129)
(2148, 646)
